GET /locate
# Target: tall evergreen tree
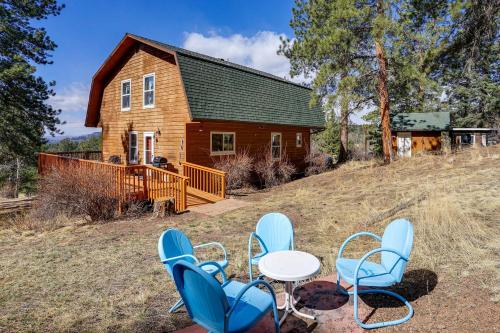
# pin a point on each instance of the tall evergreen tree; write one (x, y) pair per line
(24, 114)
(346, 45)
(332, 43)
(469, 65)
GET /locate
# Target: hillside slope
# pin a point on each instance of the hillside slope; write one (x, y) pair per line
(107, 277)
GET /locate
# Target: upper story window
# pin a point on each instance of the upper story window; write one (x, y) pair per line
(298, 139)
(276, 146)
(222, 143)
(149, 91)
(125, 89)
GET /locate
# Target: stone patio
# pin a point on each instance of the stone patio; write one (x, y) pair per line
(334, 313)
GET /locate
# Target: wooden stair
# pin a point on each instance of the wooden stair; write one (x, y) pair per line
(197, 197)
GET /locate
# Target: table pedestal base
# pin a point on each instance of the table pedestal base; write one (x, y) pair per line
(289, 305)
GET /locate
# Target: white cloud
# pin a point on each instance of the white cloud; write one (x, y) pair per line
(73, 98)
(258, 51)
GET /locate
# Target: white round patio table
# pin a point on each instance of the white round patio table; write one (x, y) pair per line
(289, 266)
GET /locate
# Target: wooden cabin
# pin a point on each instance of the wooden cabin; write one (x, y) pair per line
(152, 99)
(419, 131)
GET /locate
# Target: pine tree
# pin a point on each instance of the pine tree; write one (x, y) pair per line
(24, 114)
(332, 43)
(347, 46)
(469, 65)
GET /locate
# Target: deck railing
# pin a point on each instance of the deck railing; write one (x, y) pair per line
(92, 155)
(127, 183)
(205, 179)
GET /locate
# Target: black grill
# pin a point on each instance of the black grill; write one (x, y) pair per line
(160, 161)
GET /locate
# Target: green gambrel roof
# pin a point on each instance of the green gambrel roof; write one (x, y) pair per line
(421, 121)
(220, 90)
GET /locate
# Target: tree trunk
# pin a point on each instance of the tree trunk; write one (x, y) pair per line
(383, 93)
(344, 129)
(15, 192)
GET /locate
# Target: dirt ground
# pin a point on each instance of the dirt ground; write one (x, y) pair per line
(107, 277)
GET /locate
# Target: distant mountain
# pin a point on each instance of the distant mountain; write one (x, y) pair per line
(72, 138)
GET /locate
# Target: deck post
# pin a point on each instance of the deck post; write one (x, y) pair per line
(223, 181)
(145, 182)
(183, 194)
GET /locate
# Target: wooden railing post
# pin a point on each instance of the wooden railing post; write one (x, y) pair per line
(223, 180)
(183, 194)
(145, 182)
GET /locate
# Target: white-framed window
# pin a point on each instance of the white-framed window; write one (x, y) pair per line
(298, 139)
(133, 147)
(276, 146)
(148, 87)
(222, 143)
(126, 89)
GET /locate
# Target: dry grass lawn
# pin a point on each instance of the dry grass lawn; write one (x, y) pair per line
(107, 277)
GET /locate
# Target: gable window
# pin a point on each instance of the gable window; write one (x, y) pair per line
(149, 91)
(298, 140)
(222, 143)
(276, 146)
(133, 144)
(125, 89)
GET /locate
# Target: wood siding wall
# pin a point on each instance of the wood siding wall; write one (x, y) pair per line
(168, 116)
(254, 137)
(428, 141)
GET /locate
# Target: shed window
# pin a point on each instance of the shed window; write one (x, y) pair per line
(222, 143)
(133, 151)
(298, 140)
(276, 145)
(125, 89)
(149, 91)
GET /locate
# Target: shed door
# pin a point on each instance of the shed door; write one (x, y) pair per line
(404, 144)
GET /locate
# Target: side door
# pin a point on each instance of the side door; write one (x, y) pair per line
(149, 147)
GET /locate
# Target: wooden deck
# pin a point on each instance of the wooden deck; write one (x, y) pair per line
(196, 185)
(194, 196)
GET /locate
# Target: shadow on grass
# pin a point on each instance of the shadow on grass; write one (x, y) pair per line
(415, 284)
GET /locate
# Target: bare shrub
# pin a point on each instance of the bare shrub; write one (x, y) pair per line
(238, 169)
(76, 191)
(317, 162)
(274, 172)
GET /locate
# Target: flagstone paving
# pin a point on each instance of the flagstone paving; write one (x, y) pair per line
(333, 312)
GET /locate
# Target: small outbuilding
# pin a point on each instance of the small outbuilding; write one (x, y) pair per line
(418, 131)
(472, 137)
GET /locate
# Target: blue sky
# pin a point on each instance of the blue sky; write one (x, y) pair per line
(242, 31)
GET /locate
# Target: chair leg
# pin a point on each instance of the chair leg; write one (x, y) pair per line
(357, 292)
(250, 270)
(385, 323)
(176, 306)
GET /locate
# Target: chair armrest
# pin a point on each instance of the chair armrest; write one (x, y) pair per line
(350, 238)
(180, 257)
(261, 242)
(251, 285)
(369, 254)
(219, 269)
(213, 244)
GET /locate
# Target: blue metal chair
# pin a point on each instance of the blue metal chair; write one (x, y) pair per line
(395, 249)
(274, 232)
(228, 307)
(174, 245)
